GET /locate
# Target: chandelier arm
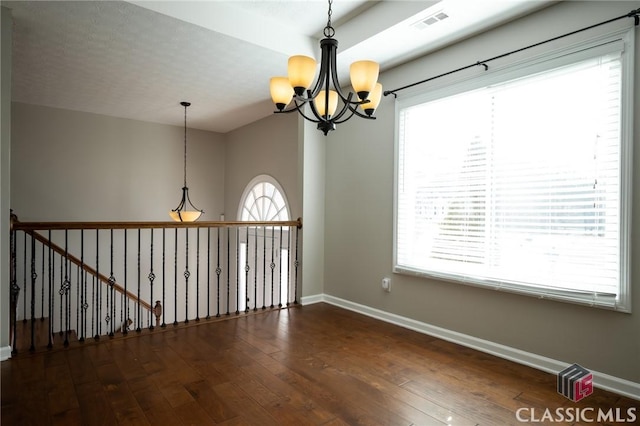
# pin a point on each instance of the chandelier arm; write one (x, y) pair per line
(305, 116)
(182, 202)
(319, 118)
(336, 81)
(325, 65)
(354, 111)
(189, 200)
(345, 107)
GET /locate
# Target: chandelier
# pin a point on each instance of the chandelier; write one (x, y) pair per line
(180, 213)
(326, 94)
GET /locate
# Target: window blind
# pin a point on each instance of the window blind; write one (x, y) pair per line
(517, 185)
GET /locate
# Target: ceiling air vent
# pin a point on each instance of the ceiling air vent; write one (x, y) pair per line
(430, 20)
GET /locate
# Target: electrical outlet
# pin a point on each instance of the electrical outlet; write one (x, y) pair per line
(386, 284)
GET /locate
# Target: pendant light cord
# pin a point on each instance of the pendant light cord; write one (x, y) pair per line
(185, 143)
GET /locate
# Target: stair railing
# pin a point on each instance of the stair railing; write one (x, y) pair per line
(78, 280)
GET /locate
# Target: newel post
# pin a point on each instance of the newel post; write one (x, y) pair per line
(157, 311)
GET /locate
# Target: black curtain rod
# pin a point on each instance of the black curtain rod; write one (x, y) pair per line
(633, 14)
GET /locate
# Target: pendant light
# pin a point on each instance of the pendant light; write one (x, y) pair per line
(180, 213)
(324, 97)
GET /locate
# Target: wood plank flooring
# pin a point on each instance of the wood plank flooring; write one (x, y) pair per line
(311, 365)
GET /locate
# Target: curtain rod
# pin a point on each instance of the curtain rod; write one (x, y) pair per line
(633, 14)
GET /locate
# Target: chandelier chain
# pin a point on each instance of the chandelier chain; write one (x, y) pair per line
(329, 31)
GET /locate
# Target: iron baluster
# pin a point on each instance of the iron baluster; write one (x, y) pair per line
(78, 281)
(61, 292)
(289, 236)
(15, 289)
(228, 269)
(208, 272)
(297, 263)
(175, 279)
(34, 277)
(247, 268)
(24, 279)
(164, 274)
(81, 287)
(42, 282)
(50, 298)
(112, 279)
(218, 271)
(187, 274)
(280, 272)
(125, 301)
(197, 274)
(264, 267)
(99, 287)
(272, 265)
(152, 276)
(66, 287)
(237, 232)
(255, 269)
(138, 310)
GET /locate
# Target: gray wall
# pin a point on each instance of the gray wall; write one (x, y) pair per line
(5, 175)
(75, 166)
(268, 146)
(359, 220)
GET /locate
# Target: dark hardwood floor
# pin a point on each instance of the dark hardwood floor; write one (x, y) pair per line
(311, 365)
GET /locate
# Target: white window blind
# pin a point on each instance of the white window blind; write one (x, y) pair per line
(518, 185)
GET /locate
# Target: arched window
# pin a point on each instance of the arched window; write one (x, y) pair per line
(264, 251)
(263, 200)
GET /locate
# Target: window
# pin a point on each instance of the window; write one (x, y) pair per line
(263, 201)
(522, 183)
(264, 251)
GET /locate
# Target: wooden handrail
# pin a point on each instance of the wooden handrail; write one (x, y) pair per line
(41, 226)
(86, 268)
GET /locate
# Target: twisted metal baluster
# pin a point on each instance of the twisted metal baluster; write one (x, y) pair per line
(151, 277)
(272, 265)
(218, 272)
(237, 232)
(51, 298)
(175, 268)
(34, 277)
(164, 275)
(255, 268)
(138, 308)
(280, 272)
(197, 274)
(208, 272)
(247, 268)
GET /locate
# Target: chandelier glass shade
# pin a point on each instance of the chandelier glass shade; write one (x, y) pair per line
(186, 211)
(325, 96)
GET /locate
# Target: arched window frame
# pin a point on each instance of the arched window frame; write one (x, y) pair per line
(283, 210)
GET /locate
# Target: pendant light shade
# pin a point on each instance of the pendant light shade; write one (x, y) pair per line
(301, 71)
(182, 213)
(281, 91)
(374, 100)
(322, 105)
(327, 102)
(364, 75)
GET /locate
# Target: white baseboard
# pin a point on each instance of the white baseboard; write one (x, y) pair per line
(549, 365)
(310, 300)
(5, 353)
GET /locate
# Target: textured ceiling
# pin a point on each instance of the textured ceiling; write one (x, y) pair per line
(138, 60)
